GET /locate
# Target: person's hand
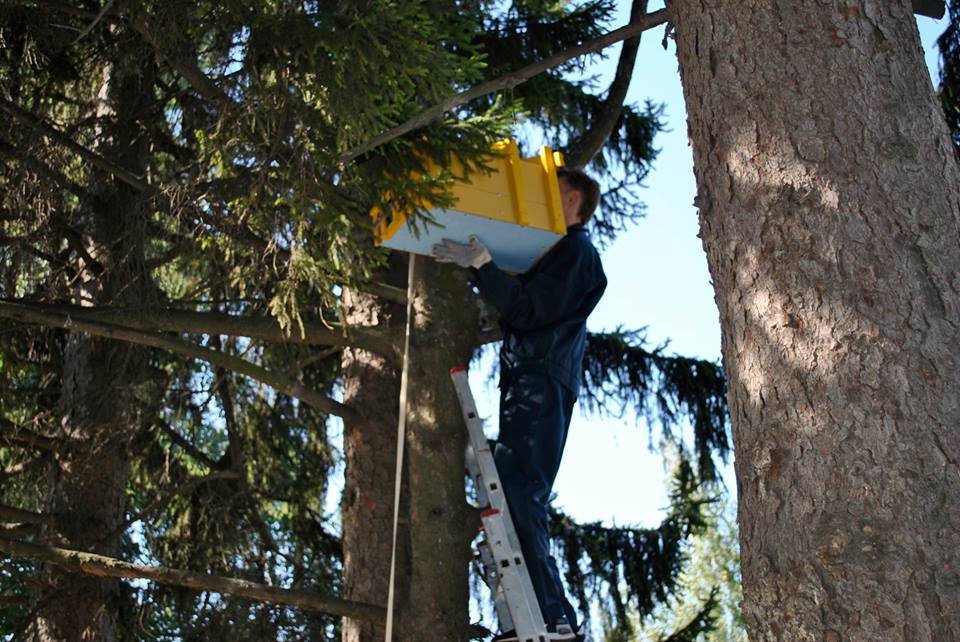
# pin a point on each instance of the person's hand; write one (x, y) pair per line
(474, 254)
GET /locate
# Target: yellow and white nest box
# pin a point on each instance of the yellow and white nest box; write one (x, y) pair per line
(514, 210)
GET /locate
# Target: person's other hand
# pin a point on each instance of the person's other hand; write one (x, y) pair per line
(473, 254)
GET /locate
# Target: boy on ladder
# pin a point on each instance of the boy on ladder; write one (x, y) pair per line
(543, 314)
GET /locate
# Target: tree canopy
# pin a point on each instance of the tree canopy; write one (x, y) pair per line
(174, 182)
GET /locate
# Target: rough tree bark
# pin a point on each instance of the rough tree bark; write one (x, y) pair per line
(440, 523)
(371, 386)
(98, 406)
(436, 525)
(829, 204)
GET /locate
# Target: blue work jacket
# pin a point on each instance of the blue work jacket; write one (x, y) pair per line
(544, 311)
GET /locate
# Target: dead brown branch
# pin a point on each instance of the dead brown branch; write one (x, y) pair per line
(31, 314)
(102, 566)
(13, 435)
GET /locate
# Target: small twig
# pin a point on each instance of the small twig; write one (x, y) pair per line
(312, 359)
(93, 24)
(165, 499)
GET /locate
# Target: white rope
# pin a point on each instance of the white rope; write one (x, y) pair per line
(401, 432)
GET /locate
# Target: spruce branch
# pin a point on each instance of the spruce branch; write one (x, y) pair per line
(185, 444)
(186, 67)
(29, 314)
(34, 122)
(103, 566)
(640, 566)
(619, 372)
(264, 328)
(160, 502)
(34, 164)
(703, 622)
(507, 81)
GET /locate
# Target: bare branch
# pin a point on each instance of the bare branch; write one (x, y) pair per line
(608, 113)
(184, 443)
(24, 516)
(30, 120)
(509, 81)
(387, 292)
(312, 359)
(254, 327)
(13, 435)
(186, 67)
(29, 314)
(102, 566)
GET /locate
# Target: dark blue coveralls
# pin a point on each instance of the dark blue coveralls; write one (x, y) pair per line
(543, 314)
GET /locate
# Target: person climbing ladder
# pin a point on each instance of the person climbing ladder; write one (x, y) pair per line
(543, 314)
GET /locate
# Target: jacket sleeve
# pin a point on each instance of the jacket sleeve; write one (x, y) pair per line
(552, 294)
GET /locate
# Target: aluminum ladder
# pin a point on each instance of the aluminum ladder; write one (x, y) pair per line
(503, 566)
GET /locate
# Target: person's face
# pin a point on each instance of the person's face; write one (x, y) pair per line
(570, 199)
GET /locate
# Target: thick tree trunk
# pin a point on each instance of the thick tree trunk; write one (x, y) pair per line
(435, 525)
(829, 199)
(99, 405)
(440, 522)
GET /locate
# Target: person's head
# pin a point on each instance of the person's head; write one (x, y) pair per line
(579, 195)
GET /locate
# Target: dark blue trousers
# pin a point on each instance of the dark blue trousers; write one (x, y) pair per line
(534, 419)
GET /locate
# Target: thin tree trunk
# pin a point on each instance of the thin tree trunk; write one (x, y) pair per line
(829, 199)
(99, 400)
(372, 386)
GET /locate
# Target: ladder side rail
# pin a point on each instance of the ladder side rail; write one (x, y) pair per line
(473, 469)
(492, 578)
(514, 579)
(490, 477)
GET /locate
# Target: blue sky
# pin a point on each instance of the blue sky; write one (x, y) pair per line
(658, 279)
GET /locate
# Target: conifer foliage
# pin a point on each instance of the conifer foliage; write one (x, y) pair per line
(178, 227)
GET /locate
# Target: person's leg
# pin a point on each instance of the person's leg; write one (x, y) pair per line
(533, 423)
(567, 398)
